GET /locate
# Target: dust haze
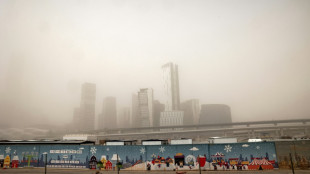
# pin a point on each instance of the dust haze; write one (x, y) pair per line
(253, 56)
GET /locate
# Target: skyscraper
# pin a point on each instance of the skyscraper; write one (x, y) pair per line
(215, 114)
(145, 101)
(171, 86)
(87, 106)
(158, 108)
(109, 120)
(172, 114)
(191, 110)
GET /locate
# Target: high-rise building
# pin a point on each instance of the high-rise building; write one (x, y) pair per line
(158, 108)
(171, 86)
(145, 101)
(134, 110)
(87, 106)
(172, 115)
(123, 118)
(215, 114)
(191, 110)
(108, 115)
(171, 118)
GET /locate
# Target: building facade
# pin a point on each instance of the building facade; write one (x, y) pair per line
(108, 115)
(215, 114)
(87, 106)
(158, 108)
(172, 115)
(171, 86)
(145, 101)
(171, 118)
(191, 110)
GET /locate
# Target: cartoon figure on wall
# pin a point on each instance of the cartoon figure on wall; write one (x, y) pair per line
(29, 158)
(103, 161)
(190, 160)
(7, 161)
(108, 165)
(93, 162)
(15, 162)
(201, 160)
(179, 160)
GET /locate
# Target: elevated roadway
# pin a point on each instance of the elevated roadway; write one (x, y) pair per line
(258, 129)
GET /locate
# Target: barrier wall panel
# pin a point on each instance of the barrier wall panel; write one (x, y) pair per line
(234, 156)
(65, 156)
(158, 157)
(21, 156)
(300, 152)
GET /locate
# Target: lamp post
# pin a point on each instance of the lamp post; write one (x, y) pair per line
(199, 164)
(117, 164)
(45, 154)
(292, 164)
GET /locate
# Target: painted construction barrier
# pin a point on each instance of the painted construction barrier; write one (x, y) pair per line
(237, 156)
(300, 153)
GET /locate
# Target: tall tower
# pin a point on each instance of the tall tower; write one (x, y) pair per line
(171, 86)
(109, 113)
(87, 107)
(172, 115)
(145, 101)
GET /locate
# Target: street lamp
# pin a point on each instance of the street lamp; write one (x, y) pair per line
(45, 154)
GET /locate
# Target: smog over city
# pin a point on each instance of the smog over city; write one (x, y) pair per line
(247, 59)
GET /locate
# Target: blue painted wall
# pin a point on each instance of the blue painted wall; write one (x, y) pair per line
(77, 156)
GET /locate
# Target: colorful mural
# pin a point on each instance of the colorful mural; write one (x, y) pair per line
(238, 156)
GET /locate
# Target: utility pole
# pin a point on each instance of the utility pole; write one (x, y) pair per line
(292, 164)
(117, 165)
(45, 154)
(199, 164)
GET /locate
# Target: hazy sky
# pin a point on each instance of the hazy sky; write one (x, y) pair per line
(253, 55)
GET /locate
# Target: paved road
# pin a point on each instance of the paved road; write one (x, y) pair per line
(87, 171)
